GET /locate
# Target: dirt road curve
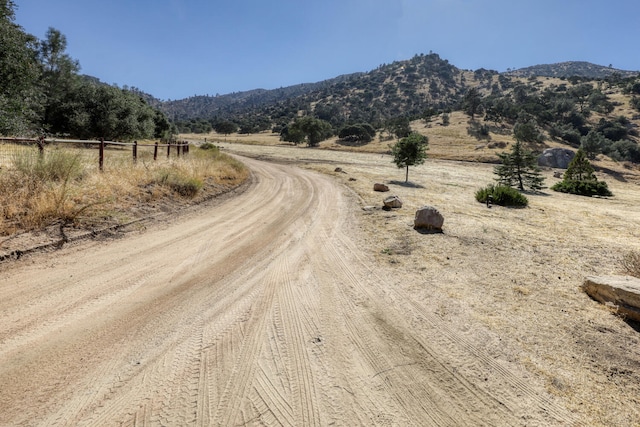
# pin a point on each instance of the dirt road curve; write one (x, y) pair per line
(262, 310)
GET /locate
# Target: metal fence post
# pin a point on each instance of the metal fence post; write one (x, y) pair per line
(155, 151)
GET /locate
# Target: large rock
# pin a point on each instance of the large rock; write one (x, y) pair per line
(428, 217)
(393, 202)
(621, 292)
(380, 187)
(556, 158)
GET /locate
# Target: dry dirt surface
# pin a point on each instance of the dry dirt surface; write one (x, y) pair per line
(290, 304)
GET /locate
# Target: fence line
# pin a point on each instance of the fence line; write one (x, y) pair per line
(181, 147)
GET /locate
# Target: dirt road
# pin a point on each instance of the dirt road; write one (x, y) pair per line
(262, 310)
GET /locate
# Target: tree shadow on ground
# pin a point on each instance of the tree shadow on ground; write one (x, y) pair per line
(347, 143)
(406, 184)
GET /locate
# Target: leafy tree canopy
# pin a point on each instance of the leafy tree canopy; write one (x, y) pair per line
(410, 151)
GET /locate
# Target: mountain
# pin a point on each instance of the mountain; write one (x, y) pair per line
(402, 88)
(571, 69)
(413, 88)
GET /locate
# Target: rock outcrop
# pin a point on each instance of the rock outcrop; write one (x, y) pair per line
(619, 292)
(429, 218)
(556, 158)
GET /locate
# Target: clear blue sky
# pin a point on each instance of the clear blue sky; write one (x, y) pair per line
(173, 49)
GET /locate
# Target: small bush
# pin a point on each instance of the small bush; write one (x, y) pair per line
(583, 187)
(502, 195)
(208, 146)
(631, 263)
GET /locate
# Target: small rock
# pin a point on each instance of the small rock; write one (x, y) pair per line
(428, 217)
(393, 202)
(339, 170)
(380, 187)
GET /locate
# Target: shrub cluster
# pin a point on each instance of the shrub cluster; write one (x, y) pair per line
(502, 195)
(583, 187)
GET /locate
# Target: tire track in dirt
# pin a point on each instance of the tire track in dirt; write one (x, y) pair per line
(506, 397)
(259, 311)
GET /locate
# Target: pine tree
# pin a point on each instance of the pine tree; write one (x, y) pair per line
(580, 178)
(519, 169)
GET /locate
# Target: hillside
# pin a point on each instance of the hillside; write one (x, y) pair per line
(402, 88)
(571, 69)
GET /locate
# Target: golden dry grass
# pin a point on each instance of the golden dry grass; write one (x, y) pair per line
(121, 191)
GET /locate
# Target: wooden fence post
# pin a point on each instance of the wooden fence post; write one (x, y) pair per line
(101, 155)
(135, 152)
(155, 152)
(168, 149)
(41, 146)
(179, 148)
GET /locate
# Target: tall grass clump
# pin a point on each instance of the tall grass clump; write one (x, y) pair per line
(502, 195)
(53, 165)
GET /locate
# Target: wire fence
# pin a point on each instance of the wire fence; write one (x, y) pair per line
(94, 151)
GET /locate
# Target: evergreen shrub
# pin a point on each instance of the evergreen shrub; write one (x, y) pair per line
(502, 195)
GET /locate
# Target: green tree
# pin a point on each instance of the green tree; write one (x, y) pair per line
(592, 144)
(362, 132)
(59, 81)
(307, 129)
(526, 130)
(225, 127)
(580, 178)
(472, 102)
(519, 168)
(410, 151)
(19, 74)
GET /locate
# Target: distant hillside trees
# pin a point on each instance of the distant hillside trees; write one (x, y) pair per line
(309, 129)
(361, 132)
(225, 127)
(472, 102)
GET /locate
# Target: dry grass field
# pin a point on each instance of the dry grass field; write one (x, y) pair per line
(65, 188)
(509, 278)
